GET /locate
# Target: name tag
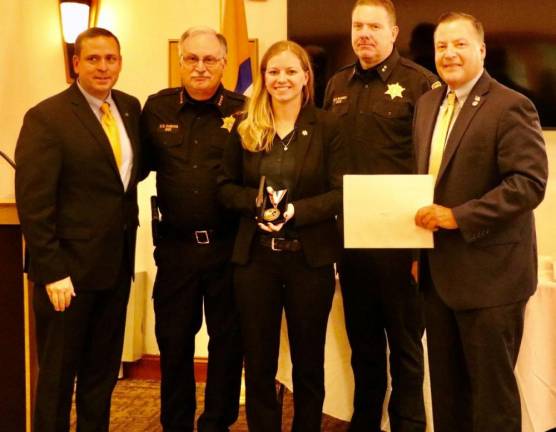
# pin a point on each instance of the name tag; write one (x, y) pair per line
(168, 127)
(339, 99)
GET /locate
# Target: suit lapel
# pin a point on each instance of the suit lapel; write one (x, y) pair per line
(472, 104)
(429, 120)
(304, 130)
(85, 114)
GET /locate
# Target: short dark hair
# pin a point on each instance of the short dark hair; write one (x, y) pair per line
(386, 4)
(456, 16)
(91, 33)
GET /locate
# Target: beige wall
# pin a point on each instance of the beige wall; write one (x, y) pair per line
(32, 69)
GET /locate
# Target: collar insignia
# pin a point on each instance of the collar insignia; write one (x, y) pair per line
(395, 90)
(228, 123)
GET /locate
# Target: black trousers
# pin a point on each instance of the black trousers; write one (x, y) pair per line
(472, 355)
(270, 283)
(381, 301)
(84, 342)
(189, 277)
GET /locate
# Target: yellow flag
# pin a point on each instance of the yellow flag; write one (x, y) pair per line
(238, 75)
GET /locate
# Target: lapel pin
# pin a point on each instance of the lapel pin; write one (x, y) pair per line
(304, 132)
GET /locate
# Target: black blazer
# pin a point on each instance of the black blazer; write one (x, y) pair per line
(75, 215)
(493, 174)
(316, 194)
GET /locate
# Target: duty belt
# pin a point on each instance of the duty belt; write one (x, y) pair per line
(200, 237)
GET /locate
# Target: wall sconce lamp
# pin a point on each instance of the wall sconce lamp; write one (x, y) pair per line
(75, 17)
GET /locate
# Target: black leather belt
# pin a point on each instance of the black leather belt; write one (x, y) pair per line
(281, 244)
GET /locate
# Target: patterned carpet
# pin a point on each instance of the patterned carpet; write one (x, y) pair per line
(135, 408)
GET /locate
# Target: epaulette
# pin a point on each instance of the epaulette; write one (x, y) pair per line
(235, 96)
(430, 76)
(345, 68)
(166, 92)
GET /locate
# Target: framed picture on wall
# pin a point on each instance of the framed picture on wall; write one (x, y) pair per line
(174, 67)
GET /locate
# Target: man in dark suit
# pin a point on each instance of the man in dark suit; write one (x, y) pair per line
(77, 169)
(486, 151)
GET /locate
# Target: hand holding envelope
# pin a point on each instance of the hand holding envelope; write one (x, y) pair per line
(435, 216)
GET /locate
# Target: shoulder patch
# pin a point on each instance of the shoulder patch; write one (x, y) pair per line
(436, 84)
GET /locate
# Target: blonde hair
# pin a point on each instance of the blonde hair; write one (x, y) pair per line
(257, 129)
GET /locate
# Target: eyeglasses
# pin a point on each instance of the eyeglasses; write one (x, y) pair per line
(192, 60)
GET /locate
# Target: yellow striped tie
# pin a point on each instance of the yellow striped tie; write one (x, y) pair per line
(111, 128)
(439, 141)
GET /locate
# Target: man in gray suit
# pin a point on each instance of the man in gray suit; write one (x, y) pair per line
(483, 144)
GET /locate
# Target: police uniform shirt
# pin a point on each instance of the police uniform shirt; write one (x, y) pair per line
(185, 139)
(376, 111)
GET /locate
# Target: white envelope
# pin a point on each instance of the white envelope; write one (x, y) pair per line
(379, 211)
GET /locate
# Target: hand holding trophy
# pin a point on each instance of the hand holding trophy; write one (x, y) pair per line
(273, 210)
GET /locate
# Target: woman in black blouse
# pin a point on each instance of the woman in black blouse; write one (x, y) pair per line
(285, 265)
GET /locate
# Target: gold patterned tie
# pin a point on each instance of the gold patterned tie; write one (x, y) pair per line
(111, 128)
(439, 141)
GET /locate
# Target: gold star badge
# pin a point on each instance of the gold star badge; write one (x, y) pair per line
(395, 90)
(228, 123)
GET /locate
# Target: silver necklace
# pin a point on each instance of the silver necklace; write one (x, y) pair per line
(285, 145)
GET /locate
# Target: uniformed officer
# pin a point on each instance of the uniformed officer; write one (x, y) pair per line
(185, 130)
(375, 98)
